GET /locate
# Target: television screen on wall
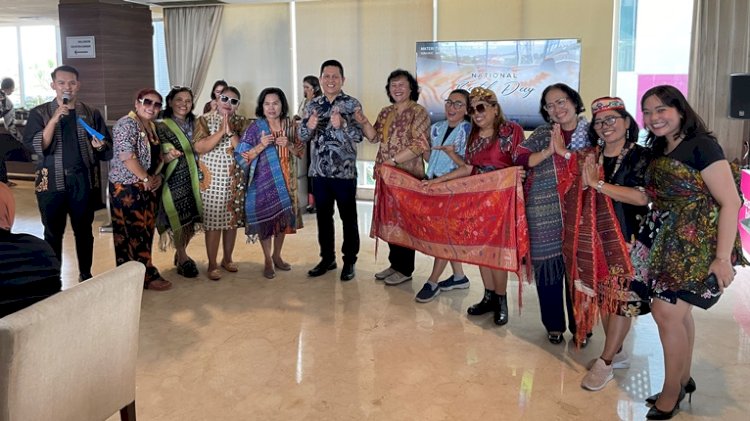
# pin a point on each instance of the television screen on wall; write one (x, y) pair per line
(517, 71)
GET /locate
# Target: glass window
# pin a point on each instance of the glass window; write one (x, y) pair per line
(161, 72)
(39, 58)
(9, 62)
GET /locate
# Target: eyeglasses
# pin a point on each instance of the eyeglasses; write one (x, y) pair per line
(181, 88)
(225, 99)
(556, 104)
(147, 103)
(454, 104)
(479, 109)
(606, 121)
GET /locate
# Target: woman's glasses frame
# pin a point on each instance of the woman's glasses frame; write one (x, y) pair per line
(147, 103)
(232, 101)
(479, 108)
(608, 121)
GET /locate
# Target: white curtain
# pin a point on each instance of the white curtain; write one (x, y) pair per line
(720, 46)
(190, 35)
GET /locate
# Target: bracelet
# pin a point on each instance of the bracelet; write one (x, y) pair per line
(599, 186)
(723, 260)
(394, 161)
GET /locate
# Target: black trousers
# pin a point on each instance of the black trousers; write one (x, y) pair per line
(343, 192)
(75, 201)
(401, 259)
(553, 287)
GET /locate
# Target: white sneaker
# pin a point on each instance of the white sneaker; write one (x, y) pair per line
(396, 278)
(598, 377)
(384, 273)
(621, 360)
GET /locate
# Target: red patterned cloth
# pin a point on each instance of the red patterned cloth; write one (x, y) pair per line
(479, 219)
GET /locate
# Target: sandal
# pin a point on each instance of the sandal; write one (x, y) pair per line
(157, 284)
(229, 266)
(214, 274)
(188, 269)
(282, 265)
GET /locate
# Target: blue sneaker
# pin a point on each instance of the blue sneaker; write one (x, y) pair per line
(427, 293)
(452, 283)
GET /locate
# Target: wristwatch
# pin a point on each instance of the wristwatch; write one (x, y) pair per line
(145, 179)
(599, 186)
(567, 155)
(394, 161)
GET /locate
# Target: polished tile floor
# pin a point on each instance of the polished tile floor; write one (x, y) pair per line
(296, 348)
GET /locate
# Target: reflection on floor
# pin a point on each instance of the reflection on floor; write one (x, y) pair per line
(318, 349)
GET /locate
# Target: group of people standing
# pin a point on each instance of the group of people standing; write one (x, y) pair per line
(179, 174)
(681, 249)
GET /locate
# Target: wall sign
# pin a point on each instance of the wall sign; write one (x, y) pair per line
(81, 47)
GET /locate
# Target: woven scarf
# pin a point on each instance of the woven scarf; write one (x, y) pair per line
(268, 206)
(595, 252)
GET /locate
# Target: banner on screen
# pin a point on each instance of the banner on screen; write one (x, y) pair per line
(517, 71)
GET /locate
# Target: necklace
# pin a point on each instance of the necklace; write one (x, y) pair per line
(624, 151)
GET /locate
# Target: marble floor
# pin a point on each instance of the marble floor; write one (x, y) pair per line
(299, 348)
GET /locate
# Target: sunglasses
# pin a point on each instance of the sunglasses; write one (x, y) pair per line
(181, 88)
(478, 109)
(454, 104)
(225, 99)
(606, 121)
(147, 103)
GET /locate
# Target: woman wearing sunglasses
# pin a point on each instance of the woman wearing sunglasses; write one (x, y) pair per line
(491, 146)
(268, 155)
(546, 155)
(613, 172)
(134, 181)
(402, 130)
(181, 205)
(448, 149)
(217, 134)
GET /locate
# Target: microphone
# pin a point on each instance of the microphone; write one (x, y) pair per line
(66, 98)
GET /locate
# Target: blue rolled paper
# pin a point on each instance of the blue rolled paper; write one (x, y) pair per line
(90, 130)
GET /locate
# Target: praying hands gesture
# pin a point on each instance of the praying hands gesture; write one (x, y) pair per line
(590, 173)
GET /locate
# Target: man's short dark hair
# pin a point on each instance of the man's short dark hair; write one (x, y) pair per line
(64, 68)
(334, 63)
(7, 83)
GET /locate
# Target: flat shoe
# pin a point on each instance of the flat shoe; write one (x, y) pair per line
(269, 273)
(214, 274)
(229, 266)
(555, 338)
(158, 284)
(282, 265)
(188, 269)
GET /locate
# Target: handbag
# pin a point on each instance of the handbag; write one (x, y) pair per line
(703, 301)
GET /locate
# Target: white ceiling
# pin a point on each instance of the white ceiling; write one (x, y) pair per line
(29, 12)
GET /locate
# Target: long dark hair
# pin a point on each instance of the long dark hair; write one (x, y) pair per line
(262, 97)
(631, 135)
(219, 82)
(571, 93)
(169, 112)
(691, 123)
(413, 85)
(315, 83)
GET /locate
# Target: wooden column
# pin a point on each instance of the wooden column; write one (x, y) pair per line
(124, 61)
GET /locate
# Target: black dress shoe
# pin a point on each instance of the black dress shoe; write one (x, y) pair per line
(322, 268)
(347, 273)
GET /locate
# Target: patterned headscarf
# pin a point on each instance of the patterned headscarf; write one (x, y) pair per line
(483, 94)
(7, 207)
(606, 103)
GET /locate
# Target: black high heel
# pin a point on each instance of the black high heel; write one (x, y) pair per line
(655, 413)
(689, 388)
